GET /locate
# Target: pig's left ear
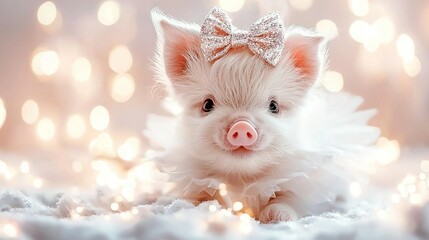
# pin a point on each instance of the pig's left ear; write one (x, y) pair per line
(306, 52)
(177, 40)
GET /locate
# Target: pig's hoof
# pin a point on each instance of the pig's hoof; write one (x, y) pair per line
(277, 212)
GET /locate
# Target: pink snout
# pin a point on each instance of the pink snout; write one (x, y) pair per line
(242, 133)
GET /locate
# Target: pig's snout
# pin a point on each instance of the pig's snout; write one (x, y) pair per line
(242, 133)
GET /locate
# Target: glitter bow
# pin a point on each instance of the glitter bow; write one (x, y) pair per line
(265, 38)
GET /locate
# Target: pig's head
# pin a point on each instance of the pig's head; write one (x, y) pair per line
(238, 110)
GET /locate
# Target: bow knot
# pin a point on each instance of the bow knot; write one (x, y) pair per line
(265, 38)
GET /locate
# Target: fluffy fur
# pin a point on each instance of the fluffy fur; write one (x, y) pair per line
(242, 86)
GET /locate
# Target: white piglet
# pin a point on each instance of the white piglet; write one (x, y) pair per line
(255, 126)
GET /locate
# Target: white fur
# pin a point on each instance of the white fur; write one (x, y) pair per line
(242, 85)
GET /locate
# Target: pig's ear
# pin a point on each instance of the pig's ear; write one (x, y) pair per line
(176, 40)
(306, 51)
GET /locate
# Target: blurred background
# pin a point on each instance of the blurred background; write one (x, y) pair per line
(76, 75)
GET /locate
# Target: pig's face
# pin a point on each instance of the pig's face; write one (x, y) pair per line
(238, 110)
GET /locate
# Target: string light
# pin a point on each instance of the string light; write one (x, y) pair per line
(301, 5)
(46, 129)
(30, 111)
(24, 167)
(327, 28)
(412, 67)
(355, 189)
(45, 63)
(81, 69)
(129, 149)
(237, 206)
(99, 118)
(10, 230)
(389, 151)
(114, 206)
(47, 13)
(120, 59)
(333, 81)
(76, 127)
(122, 88)
(2, 113)
(231, 6)
(359, 8)
(109, 13)
(405, 47)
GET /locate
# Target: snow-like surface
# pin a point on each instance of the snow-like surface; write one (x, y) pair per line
(60, 213)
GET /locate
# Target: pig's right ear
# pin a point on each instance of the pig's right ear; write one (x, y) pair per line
(176, 40)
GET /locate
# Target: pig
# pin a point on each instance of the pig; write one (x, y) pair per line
(238, 131)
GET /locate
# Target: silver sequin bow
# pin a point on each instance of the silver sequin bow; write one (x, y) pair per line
(265, 38)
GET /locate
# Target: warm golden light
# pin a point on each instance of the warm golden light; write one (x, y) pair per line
(102, 145)
(355, 189)
(412, 67)
(2, 113)
(301, 5)
(122, 88)
(424, 166)
(372, 39)
(120, 59)
(237, 206)
(212, 208)
(99, 118)
(333, 81)
(328, 28)
(45, 62)
(76, 127)
(109, 13)
(114, 206)
(10, 230)
(386, 29)
(129, 149)
(37, 183)
(81, 69)
(358, 29)
(231, 6)
(359, 8)
(30, 111)
(45, 129)
(389, 151)
(47, 13)
(405, 47)
(24, 167)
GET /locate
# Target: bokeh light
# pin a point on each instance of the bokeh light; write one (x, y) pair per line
(102, 145)
(109, 13)
(359, 8)
(45, 62)
(358, 29)
(129, 149)
(231, 6)
(327, 28)
(2, 113)
(122, 88)
(99, 118)
(333, 81)
(405, 47)
(389, 151)
(81, 69)
(76, 127)
(47, 13)
(30, 111)
(10, 230)
(301, 5)
(386, 29)
(120, 59)
(412, 67)
(45, 129)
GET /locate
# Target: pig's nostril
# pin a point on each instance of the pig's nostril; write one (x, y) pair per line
(235, 135)
(249, 135)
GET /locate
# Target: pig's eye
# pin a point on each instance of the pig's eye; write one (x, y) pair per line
(274, 107)
(208, 105)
